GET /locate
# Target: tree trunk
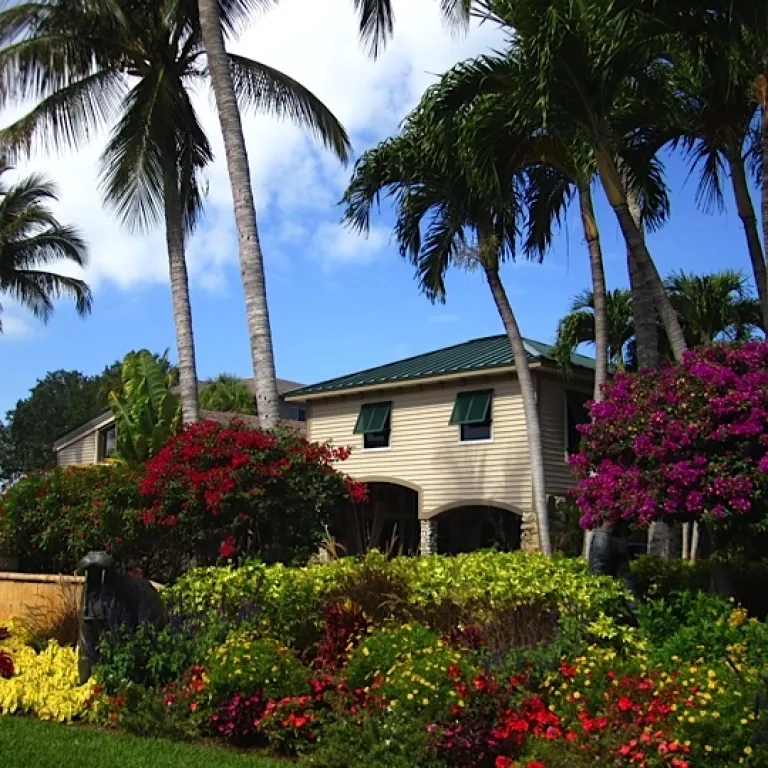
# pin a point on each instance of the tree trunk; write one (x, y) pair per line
(643, 310)
(182, 309)
(592, 236)
(694, 554)
(661, 535)
(617, 197)
(530, 407)
(251, 261)
(746, 213)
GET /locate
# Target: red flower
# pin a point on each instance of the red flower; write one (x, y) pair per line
(534, 764)
(227, 548)
(6, 665)
(624, 703)
(503, 762)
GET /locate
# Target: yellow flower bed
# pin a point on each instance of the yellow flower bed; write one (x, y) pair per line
(44, 684)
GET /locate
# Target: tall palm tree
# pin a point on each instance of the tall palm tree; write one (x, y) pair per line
(449, 213)
(88, 64)
(716, 125)
(376, 24)
(593, 69)
(31, 238)
(579, 327)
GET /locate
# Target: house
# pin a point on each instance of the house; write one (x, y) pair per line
(440, 439)
(96, 440)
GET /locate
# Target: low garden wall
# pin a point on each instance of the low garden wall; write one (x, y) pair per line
(22, 594)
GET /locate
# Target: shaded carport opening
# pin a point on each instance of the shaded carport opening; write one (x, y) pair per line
(466, 529)
(389, 521)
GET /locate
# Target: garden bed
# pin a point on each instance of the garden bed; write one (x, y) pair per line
(485, 660)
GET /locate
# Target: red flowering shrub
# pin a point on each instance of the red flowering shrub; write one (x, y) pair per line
(682, 442)
(245, 491)
(52, 519)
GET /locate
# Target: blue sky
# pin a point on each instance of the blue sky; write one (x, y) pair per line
(338, 303)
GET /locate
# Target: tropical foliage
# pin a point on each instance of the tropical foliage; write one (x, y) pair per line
(227, 393)
(32, 239)
(136, 64)
(146, 410)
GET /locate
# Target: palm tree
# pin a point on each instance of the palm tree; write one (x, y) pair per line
(376, 25)
(31, 238)
(714, 307)
(449, 213)
(227, 393)
(715, 120)
(579, 327)
(88, 64)
(593, 70)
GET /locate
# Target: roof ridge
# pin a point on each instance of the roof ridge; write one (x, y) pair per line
(399, 360)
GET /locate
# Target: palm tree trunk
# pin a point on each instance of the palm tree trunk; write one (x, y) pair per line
(251, 260)
(643, 310)
(530, 407)
(746, 213)
(182, 309)
(617, 197)
(592, 236)
(660, 534)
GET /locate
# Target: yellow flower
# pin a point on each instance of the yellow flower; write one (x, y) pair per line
(425, 702)
(410, 697)
(747, 750)
(576, 695)
(715, 715)
(366, 652)
(707, 748)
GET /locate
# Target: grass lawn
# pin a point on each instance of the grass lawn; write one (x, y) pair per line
(26, 743)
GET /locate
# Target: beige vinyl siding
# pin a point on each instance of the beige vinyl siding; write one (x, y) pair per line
(81, 451)
(425, 451)
(557, 473)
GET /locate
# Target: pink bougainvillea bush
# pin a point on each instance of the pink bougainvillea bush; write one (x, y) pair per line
(246, 491)
(680, 443)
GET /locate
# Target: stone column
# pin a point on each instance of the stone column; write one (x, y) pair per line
(428, 538)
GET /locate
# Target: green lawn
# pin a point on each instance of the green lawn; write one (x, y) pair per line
(28, 743)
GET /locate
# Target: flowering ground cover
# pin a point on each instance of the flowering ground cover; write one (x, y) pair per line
(484, 660)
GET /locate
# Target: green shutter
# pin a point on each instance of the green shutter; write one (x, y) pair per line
(373, 417)
(472, 407)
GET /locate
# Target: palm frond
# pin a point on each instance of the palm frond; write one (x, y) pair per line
(266, 89)
(548, 193)
(377, 20)
(36, 290)
(69, 117)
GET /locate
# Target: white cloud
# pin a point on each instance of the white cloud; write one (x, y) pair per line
(15, 324)
(336, 244)
(294, 177)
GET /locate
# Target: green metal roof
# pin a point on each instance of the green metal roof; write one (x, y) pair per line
(471, 356)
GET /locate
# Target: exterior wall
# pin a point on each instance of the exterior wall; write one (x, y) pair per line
(425, 452)
(81, 451)
(551, 392)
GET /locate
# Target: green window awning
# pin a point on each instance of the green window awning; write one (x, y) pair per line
(472, 407)
(373, 417)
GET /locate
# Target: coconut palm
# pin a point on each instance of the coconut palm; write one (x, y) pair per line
(31, 239)
(88, 64)
(578, 327)
(227, 393)
(447, 215)
(376, 24)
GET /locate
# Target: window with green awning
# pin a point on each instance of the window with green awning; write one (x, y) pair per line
(472, 407)
(373, 418)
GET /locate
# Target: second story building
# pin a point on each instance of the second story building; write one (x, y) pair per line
(441, 440)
